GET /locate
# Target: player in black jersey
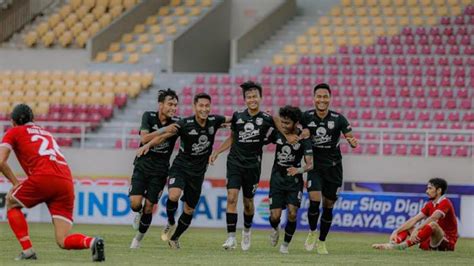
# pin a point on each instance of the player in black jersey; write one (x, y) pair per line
(150, 171)
(186, 175)
(286, 183)
(250, 128)
(324, 127)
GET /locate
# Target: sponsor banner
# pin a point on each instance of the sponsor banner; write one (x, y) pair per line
(354, 212)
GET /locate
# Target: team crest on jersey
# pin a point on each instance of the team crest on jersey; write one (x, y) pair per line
(285, 155)
(312, 124)
(248, 133)
(330, 124)
(193, 132)
(211, 131)
(259, 121)
(296, 146)
(321, 131)
(202, 145)
(240, 121)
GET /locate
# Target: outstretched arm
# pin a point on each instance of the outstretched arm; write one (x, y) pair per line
(146, 137)
(155, 141)
(224, 146)
(5, 168)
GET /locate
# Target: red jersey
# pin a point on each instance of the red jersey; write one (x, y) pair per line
(448, 222)
(37, 151)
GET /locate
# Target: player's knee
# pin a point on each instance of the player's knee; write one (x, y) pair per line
(434, 225)
(148, 208)
(135, 206)
(232, 200)
(292, 216)
(248, 206)
(188, 210)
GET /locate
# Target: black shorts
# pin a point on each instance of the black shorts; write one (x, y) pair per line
(148, 185)
(328, 180)
(285, 190)
(191, 185)
(245, 178)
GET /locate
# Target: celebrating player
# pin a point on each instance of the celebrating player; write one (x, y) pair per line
(439, 230)
(49, 181)
(325, 127)
(151, 170)
(186, 175)
(286, 183)
(249, 130)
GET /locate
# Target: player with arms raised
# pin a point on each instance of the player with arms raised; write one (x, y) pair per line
(49, 181)
(438, 231)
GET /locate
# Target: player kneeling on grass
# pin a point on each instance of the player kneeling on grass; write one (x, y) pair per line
(49, 181)
(286, 183)
(186, 175)
(439, 231)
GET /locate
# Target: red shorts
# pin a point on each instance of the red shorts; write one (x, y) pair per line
(56, 192)
(444, 245)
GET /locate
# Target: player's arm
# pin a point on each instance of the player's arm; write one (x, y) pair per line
(347, 131)
(353, 142)
(308, 166)
(155, 141)
(407, 225)
(146, 137)
(224, 146)
(290, 138)
(5, 168)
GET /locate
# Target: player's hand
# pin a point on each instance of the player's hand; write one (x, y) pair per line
(292, 171)
(172, 129)
(353, 142)
(393, 237)
(413, 236)
(143, 150)
(225, 125)
(292, 138)
(213, 158)
(305, 134)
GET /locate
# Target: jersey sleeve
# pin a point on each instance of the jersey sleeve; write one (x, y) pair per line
(271, 138)
(181, 123)
(444, 206)
(345, 126)
(308, 149)
(145, 126)
(233, 122)
(426, 209)
(304, 120)
(9, 139)
(219, 121)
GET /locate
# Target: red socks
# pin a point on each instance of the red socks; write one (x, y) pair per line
(401, 236)
(18, 224)
(423, 234)
(77, 241)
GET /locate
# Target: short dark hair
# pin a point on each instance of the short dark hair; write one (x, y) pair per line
(291, 112)
(251, 85)
(322, 86)
(439, 183)
(162, 94)
(201, 95)
(22, 114)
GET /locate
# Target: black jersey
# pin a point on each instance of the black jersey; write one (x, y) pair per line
(196, 143)
(157, 159)
(289, 155)
(325, 135)
(250, 133)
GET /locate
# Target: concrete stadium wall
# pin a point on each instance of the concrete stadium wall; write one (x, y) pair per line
(205, 46)
(43, 59)
(124, 24)
(261, 31)
(247, 13)
(393, 169)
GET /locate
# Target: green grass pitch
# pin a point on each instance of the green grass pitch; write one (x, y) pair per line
(203, 247)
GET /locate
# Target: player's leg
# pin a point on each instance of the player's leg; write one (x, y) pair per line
(249, 187)
(191, 196)
(22, 196)
(234, 183)
(275, 215)
(314, 191)
(137, 189)
(290, 227)
(175, 188)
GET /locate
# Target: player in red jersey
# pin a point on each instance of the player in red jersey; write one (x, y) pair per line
(49, 181)
(439, 231)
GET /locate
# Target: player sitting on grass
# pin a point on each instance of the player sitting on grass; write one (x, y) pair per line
(286, 183)
(439, 231)
(49, 181)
